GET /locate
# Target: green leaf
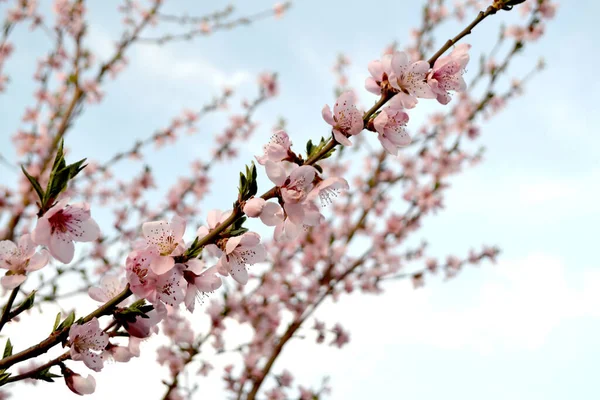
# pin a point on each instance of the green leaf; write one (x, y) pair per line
(4, 377)
(28, 302)
(36, 185)
(67, 322)
(56, 321)
(46, 375)
(59, 160)
(8, 349)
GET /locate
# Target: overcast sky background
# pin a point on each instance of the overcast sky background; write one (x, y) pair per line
(526, 328)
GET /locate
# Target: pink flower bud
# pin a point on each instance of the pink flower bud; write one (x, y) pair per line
(254, 206)
(77, 383)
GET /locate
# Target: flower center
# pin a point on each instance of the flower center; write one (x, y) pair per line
(58, 222)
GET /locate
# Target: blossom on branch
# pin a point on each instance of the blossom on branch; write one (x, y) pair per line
(62, 225)
(167, 239)
(346, 119)
(19, 259)
(447, 73)
(240, 251)
(390, 125)
(85, 338)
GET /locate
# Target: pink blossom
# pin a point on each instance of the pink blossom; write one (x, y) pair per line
(346, 119)
(20, 259)
(199, 282)
(168, 288)
(85, 338)
(447, 73)
(240, 251)
(167, 238)
(409, 78)
(78, 384)
(273, 215)
(294, 191)
(390, 125)
(379, 71)
(62, 225)
(268, 83)
(277, 149)
(141, 279)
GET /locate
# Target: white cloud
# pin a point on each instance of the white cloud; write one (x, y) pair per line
(164, 63)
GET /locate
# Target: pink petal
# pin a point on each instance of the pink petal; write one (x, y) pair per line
(10, 282)
(97, 294)
(399, 61)
(41, 233)
(27, 246)
(190, 298)
(372, 86)
(208, 281)
(275, 172)
(327, 116)
(178, 227)
(7, 249)
(341, 138)
(62, 247)
(272, 214)
(295, 212)
(156, 231)
(388, 145)
(344, 103)
(381, 121)
(232, 244)
(420, 67)
(202, 231)
(39, 260)
(88, 231)
(162, 264)
(376, 69)
(239, 273)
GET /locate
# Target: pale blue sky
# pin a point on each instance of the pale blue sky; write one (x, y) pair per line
(526, 328)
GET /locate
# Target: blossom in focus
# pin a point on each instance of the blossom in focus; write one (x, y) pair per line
(85, 340)
(141, 279)
(199, 281)
(167, 238)
(409, 79)
(64, 224)
(240, 251)
(346, 119)
(19, 259)
(379, 70)
(277, 149)
(390, 125)
(447, 73)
